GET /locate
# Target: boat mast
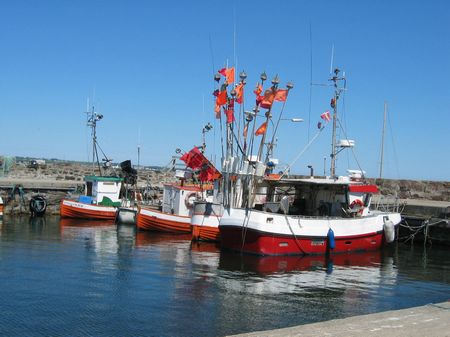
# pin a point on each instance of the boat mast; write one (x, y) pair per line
(337, 92)
(382, 139)
(92, 120)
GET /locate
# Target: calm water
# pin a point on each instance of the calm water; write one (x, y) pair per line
(91, 278)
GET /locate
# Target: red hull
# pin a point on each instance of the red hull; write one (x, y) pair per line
(100, 213)
(260, 243)
(153, 223)
(205, 233)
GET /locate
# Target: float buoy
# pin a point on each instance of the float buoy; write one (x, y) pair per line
(38, 205)
(331, 242)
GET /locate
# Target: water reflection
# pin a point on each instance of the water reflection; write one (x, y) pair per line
(107, 275)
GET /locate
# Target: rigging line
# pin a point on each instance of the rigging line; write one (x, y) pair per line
(353, 151)
(344, 118)
(302, 151)
(310, 78)
(393, 146)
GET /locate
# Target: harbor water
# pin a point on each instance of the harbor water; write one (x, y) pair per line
(64, 277)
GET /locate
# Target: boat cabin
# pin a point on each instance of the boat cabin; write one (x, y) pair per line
(179, 199)
(102, 190)
(319, 197)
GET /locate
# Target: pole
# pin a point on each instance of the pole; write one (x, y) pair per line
(382, 139)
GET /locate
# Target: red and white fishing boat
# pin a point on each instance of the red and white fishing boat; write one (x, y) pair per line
(101, 198)
(100, 202)
(295, 216)
(174, 216)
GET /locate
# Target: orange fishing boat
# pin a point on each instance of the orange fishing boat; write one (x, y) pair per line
(100, 202)
(174, 215)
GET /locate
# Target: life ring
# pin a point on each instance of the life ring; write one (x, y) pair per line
(358, 204)
(188, 200)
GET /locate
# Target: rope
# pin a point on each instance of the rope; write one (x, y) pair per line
(303, 151)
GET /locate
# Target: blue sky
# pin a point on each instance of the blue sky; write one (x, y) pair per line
(148, 66)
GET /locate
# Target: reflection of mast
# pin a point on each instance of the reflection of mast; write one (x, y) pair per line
(382, 140)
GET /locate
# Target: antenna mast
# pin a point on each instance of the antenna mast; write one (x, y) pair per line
(92, 119)
(337, 92)
(382, 139)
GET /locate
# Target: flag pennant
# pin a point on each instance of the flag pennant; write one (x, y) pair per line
(262, 129)
(258, 90)
(281, 95)
(196, 160)
(229, 74)
(230, 115)
(326, 116)
(269, 96)
(221, 98)
(223, 71)
(240, 93)
(193, 158)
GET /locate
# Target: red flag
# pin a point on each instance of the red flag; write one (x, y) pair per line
(230, 115)
(221, 98)
(281, 95)
(228, 73)
(208, 172)
(223, 71)
(269, 96)
(326, 116)
(193, 158)
(240, 93)
(262, 129)
(196, 160)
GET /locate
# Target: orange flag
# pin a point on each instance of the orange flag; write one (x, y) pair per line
(221, 98)
(230, 75)
(281, 95)
(269, 96)
(262, 129)
(240, 93)
(258, 90)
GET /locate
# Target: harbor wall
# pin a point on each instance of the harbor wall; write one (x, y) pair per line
(59, 178)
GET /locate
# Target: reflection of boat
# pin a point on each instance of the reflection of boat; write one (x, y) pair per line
(73, 222)
(347, 276)
(266, 265)
(148, 239)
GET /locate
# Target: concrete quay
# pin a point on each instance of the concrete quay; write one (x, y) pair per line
(432, 320)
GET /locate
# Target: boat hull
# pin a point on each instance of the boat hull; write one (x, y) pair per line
(205, 221)
(75, 209)
(272, 234)
(126, 216)
(153, 220)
